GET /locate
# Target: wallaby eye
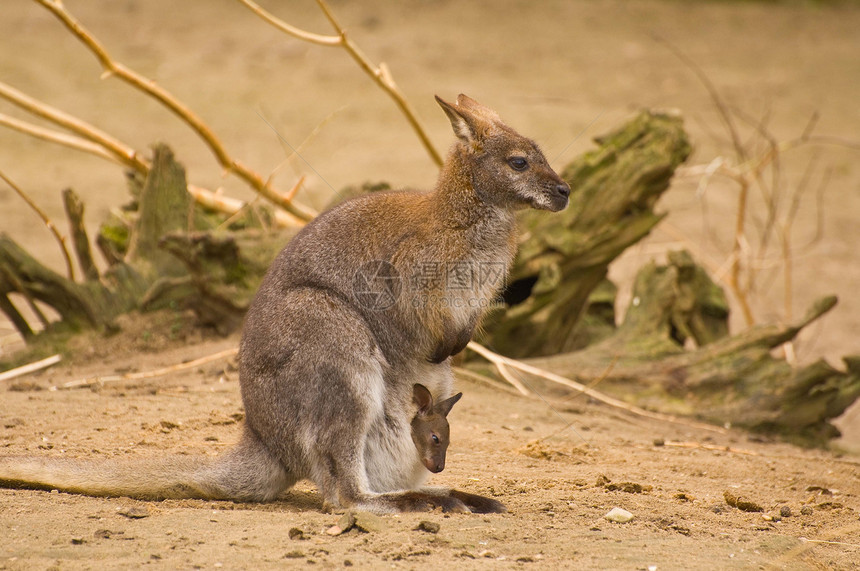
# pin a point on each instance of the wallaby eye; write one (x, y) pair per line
(518, 163)
(435, 439)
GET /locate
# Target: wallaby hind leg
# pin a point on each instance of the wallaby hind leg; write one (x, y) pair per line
(247, 473)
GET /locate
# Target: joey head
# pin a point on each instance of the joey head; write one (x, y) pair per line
(430, 430)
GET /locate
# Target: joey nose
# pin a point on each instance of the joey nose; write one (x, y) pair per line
(563, 189)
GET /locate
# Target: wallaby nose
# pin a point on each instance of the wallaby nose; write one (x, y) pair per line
(563, 189)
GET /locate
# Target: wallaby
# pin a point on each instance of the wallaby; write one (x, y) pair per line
(431, 432)
(370, 298)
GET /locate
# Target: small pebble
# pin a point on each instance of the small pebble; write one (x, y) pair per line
(618, 515)
(343, 525)
(785, 511)
(296, 534)
(806, 510)
(134, 512)
(428, 526)
(369, 523)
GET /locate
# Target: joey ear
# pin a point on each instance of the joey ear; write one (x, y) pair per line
(468, 125)
(422, 398)
(445, 406)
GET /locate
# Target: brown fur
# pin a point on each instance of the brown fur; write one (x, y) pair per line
(326, 377)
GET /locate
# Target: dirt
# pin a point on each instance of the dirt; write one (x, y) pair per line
(561, 72)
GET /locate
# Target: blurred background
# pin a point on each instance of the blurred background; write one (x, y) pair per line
(560, 72)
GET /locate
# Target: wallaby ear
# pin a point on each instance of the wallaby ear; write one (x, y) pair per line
(422, 398)
(445, 406)
(468, 118)
(466, 102)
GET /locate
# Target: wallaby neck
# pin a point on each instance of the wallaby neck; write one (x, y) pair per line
(457, 205)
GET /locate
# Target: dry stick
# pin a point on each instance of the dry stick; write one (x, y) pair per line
(30, 368)
(122, 152)
(484, 380)
(146, 374)
(95, 141)
(740, 151)
(60, 238)
(807, 544)
(164, 97)
(380, 74)
(58, 137)
(496, 358)
(699, 445)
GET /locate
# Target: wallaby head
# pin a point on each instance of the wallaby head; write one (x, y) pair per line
(505, 168)
(430, 431)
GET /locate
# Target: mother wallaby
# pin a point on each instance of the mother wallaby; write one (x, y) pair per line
(367, 300)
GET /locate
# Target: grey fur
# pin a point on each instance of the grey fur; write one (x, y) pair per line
(326, 378)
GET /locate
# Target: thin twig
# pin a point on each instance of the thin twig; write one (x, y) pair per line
(292, 30)
(485, 380)
(232, 206)
(90, 381)
(806, 544)
(30, 368)
(380, 74)
(61, 240)
(513, 380)
(149, 87)
(496, 358)
(699, 445)
(742, 157)
(58, 137)
(118, 149)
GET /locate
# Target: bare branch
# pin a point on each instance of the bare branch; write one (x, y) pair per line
(228, 205)
(513, 363)
(70, 270)
(122, 152)
(292, 30)
(58, 137)
(379, 74)
(30, 368)
(164, 97)
(226, 354)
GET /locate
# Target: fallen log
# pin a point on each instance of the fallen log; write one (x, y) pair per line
(727, 380)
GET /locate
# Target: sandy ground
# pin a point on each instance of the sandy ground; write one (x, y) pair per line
(560, 72)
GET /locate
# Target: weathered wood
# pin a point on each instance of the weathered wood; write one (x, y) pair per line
(735, 380)
(75, 214)
(564, 257)
(224, 272)
(164, 208)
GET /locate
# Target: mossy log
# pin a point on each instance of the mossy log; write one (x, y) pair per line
(156, 257)
(558, 286)
(723, 379)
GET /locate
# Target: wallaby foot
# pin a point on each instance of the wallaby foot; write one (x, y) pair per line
(425, 500)
(479, 504)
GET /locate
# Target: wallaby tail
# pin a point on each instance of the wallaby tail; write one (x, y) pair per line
(174, 477)
(245, 473)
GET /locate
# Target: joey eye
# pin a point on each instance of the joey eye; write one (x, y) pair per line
(435, 439)
(518, 163)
